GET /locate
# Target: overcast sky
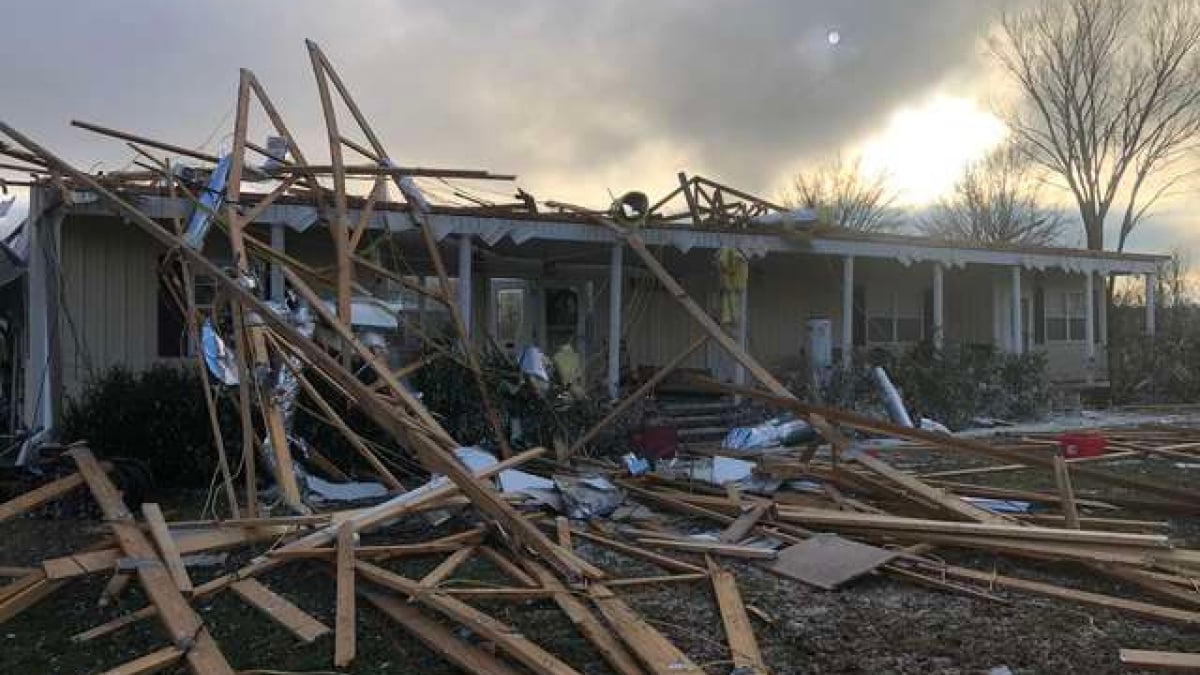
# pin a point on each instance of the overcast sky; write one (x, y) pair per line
(578, 98)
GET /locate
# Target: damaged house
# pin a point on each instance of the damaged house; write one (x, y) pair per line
(549, 277)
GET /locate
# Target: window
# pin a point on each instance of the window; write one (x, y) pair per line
(896, 321)
(1066, 316)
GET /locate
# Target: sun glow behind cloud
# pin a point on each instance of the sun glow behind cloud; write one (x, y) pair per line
(924, 148)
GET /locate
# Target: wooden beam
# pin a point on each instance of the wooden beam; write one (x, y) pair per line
(507, 639)
(344, 644)
(183, 625)
(874, 521)
(747, 658)
(729, 550)
(950, 503)
(447, 567)
(153, 662)
(440, 640)
(41, 495)
(166, 547)
(654, 650)
(586, 622)
(1180, 662)
(738, 529)
(116, 624)
(1062, 477)
(280, 610)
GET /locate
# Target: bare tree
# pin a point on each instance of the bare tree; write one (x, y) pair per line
(1112, 100)
(844, 195)
(997, 201)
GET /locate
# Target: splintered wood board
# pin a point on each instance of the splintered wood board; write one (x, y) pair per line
(828, 561)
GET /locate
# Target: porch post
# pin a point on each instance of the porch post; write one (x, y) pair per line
(1089, 322)
(616, 262)
(278, 244)
(847, 309)
(464, 281)
(1103, 327)
(743, 327)
(939, 323)
(1016, 310)
(1151, 301)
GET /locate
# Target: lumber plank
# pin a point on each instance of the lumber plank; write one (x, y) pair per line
(654, 650)
(161, 535)
(150, 663)
(438, 638)
(1062, 477)
(344, 642)
(874, 521)
(738, 529)
(665, 562)
(508, 567)
(447, 567)
(650, 581)
(948, 502)
(183, 625)
(279, 609)
(586, 622)
(728, 550)
(747, 658)
(38, 589)
(1070, 594)
(41, 495)
(115, 624)
(508, 639)
(562, 530)
(1156, 660)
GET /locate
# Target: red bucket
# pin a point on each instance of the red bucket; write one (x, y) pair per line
(1082, 445)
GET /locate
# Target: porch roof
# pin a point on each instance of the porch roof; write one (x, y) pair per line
(520, 228)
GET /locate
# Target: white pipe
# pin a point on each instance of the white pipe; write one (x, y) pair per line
(1151, 301)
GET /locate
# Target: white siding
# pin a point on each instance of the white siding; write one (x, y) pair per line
(109, 299)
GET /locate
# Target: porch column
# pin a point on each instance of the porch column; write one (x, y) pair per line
(616, 262)
(743, 327)
(464, 281)
(1151, 301)
(1017, 347)
(1089, 322)
(939, 323)
(1103, 325)
(847, 309)
(278, 244)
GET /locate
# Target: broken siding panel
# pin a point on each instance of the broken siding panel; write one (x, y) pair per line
(110, 298)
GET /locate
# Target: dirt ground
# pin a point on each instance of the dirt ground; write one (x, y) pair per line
(875, 625)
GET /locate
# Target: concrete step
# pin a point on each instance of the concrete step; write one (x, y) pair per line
(672, 408)
(698, 433)
(696, 420)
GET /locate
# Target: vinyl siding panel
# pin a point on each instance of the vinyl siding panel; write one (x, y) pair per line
(109, 299)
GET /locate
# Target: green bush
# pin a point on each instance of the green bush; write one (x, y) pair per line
(157, 416)
(950, 385)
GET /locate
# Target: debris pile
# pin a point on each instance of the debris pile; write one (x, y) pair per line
(823, 511)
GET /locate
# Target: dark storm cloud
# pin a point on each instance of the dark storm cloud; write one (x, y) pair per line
(550, 89)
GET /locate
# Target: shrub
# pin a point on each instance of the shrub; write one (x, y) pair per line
(157, 416)
(951, 385)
